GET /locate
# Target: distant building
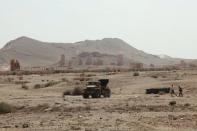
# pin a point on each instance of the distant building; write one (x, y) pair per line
(136, 65)
(62, 60)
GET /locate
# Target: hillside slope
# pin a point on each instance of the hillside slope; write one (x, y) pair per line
(32, 52)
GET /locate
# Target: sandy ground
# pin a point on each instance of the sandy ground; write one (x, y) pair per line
(128, 109)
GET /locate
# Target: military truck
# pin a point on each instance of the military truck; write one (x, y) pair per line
(97, 89)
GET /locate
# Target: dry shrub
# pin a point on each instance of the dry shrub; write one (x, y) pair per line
(87, 108)
(67, 92)
(172, 103)
(24, 86)
(40, 107)
(21, 82)
(187, 105)
(90, 75)
(81, 79)
(25, 125)
(20, 78)
(77, 91)
(37, 86)
(77, 83)
(65, 80)
(75, 128)
(154, 76)
(163, 76)
(5, 108)
(82, 75)
(48, 84)
(51, 83)
(136, 74)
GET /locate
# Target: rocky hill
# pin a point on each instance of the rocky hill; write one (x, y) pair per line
(31, 52)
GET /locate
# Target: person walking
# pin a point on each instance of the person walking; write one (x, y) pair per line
(172, 92)
(180, 92)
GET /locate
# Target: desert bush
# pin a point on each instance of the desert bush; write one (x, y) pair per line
(172, 117)
(67, 92)
(20, 78)
(172, 103)
(81, 79)
(51, 83)
(87, 108)
(21, 82)
(90, 75)
(48, 84)
(5, 108)
(37, 86)
(154, 76)
(24, 86)
(41, 107)
(136, 74)
(77, 83)
(13, 73)
(77, 91)
(187, 105)
(25, 125)
(65, 80)
(163, 76)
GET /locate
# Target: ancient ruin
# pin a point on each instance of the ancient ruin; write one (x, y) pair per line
(14, 65)
(62, 60)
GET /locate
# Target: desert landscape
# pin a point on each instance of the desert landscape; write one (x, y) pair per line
(38, 105)
(98, 65)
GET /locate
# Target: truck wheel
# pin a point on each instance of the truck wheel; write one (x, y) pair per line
(99, 95)
(107, 93)
(94, 95)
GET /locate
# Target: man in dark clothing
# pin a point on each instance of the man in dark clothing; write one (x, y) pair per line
(172, 92)
(180, 92)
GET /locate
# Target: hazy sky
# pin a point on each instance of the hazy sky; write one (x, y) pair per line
(155, 26)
